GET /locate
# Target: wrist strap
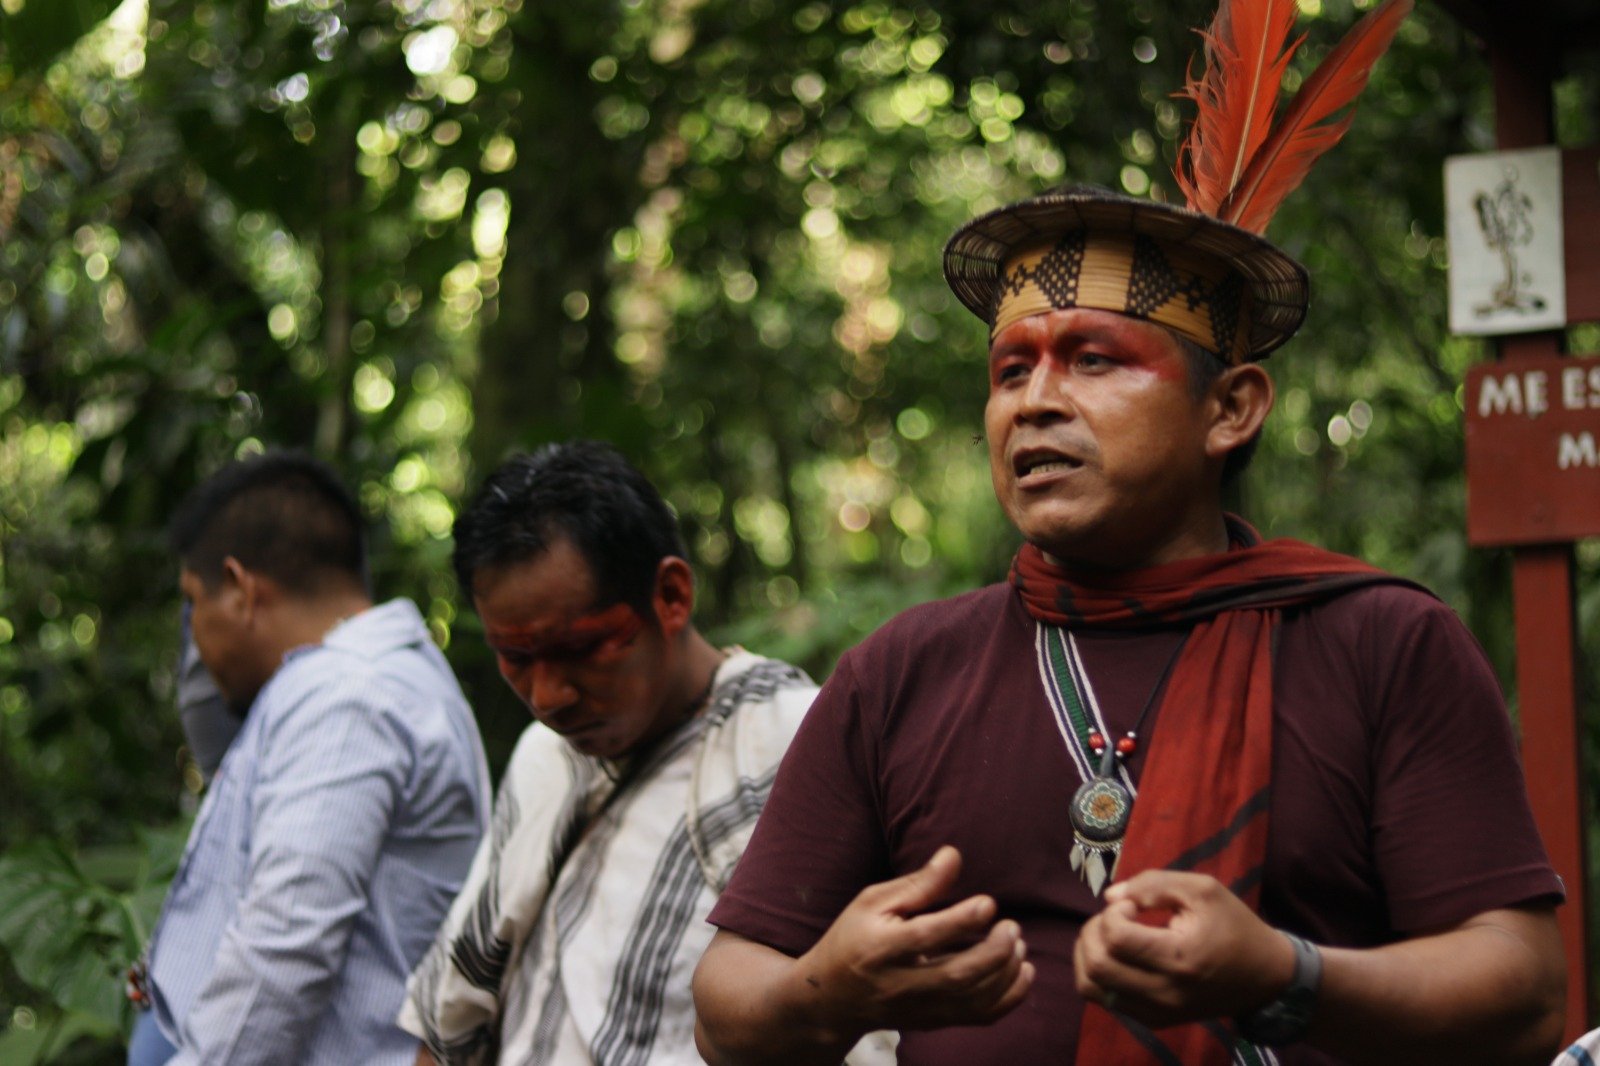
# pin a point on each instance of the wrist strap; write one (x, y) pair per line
(1286, 1019)
(1307, 965)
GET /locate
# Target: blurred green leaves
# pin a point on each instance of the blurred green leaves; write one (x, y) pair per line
(71, 926)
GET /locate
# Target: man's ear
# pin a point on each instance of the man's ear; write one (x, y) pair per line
(240, 590)
(674, 595)
(1241, 397)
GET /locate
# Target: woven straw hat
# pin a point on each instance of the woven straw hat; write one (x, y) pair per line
(1168, 261)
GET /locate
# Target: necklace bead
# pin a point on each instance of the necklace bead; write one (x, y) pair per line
(1127, 745)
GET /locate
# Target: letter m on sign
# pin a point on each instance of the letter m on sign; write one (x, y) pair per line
(1500, 396)
(1577, 449)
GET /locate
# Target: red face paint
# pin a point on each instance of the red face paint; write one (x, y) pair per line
(597, 634)
(597, 672)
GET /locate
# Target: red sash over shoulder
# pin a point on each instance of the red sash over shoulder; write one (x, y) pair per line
(1203, 792)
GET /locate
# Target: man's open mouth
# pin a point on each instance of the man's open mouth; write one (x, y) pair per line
(1042, 463)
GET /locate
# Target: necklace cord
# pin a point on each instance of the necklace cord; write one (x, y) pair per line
(1108, 761)
(1161, 684)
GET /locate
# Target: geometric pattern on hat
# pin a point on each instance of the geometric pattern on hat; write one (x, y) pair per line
(1194, 296)
(1155, 282)
(1056, 275)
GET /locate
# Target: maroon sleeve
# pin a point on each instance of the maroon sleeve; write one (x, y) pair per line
(818, 841)
(1452, 833)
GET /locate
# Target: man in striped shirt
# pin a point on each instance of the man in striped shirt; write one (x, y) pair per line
(629, 800)
(344, 816)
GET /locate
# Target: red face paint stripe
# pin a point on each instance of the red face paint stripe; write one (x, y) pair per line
(611, 628)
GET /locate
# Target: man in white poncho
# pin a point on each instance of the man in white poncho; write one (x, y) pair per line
(625, 807)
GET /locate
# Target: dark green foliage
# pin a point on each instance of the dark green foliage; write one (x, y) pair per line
(70, 926)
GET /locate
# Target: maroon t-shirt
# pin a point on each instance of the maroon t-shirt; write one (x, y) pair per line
(1398, 804)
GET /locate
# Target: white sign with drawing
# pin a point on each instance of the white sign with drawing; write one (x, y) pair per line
(1503, 215)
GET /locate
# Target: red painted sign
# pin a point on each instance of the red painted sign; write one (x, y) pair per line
(1533, 451)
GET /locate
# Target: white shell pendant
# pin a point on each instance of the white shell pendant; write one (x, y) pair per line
(1095, 862)
(1095, 870)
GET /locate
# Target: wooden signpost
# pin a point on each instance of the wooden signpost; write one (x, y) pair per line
(1533, 415)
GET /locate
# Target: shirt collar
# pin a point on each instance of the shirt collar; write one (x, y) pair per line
(375, 631)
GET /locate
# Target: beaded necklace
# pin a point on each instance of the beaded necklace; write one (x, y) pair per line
(1103, 803)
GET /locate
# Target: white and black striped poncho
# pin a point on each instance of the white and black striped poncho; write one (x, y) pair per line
(580, 924)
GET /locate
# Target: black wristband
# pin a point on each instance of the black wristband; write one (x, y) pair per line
(1286, 1019)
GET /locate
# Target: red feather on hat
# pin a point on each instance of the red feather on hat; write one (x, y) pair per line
(1234, 165)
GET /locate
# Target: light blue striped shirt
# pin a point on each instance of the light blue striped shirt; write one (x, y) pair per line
(337, 831)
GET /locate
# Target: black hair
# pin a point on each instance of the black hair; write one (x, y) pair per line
(584, 491)
(1205, 367)
(282, 514)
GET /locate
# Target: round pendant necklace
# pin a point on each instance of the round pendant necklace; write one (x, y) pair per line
(1102, 805)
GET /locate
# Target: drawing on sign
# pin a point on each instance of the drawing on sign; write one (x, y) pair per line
(1505, 217)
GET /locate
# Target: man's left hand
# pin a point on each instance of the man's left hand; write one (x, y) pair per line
(1179, 947)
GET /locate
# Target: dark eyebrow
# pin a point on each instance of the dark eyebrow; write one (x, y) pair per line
(999, 351)
(1075, 337)
(579, 636)
(534, 649)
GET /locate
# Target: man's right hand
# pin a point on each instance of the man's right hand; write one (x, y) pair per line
(888, 962)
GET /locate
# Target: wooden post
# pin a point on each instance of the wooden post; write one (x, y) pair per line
(1542, 576)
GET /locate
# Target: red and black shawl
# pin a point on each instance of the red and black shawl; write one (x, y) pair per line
(1204, 788)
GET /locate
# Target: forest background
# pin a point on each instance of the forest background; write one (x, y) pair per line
(409, 235)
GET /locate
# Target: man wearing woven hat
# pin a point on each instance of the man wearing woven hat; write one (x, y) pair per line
(1172, 793)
